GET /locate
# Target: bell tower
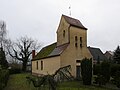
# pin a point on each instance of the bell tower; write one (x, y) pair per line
(69, 26)
(63, 32)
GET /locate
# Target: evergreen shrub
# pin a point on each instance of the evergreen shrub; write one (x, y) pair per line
(86, 71)
(114, 69)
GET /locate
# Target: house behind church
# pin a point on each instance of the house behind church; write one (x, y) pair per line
(97, 54)
(109, 55)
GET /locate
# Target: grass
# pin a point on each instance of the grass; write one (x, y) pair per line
(77, 85)
(18, 82)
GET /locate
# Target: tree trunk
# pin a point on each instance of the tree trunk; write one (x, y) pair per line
(24, 66)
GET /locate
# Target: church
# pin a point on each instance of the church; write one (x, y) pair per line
(70, 49)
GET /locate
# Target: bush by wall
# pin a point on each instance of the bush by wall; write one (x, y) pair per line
(86, 71)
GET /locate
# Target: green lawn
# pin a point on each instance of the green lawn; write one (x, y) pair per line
(18, 82)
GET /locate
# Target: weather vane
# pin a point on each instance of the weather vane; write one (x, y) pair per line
(70, 7)
(70, 10)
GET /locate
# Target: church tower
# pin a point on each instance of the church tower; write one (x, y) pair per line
(71, 32)
(69, 26)
(63, 32)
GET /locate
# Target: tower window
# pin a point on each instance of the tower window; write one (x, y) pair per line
(76, 44)
(80, 39)
(37, 65)
(80, 45)
(76, 39)
(41, 65)
(64, 33)
(81, 42)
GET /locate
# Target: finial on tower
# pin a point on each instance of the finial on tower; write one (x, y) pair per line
(70, 10)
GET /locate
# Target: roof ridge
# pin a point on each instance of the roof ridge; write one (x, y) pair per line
(70, 17)
(74, 22)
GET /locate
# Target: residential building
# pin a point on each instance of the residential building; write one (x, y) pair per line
(97, 54)
(109, 55)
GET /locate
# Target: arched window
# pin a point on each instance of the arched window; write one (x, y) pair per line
(81, 42)
(76, 44)
(64, 33)
(80, 39)
(76, 39)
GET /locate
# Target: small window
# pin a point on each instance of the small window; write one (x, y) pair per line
(80, 39)
(37, 65)
(76, 45)
(64, 33)
(76, 39)
(81, 45)
(41, 65)
(81, 42)
(78, 61)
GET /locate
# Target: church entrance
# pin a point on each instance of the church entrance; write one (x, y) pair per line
(78, 69)
(78, 72)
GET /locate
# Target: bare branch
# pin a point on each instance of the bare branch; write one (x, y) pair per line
(22, 49)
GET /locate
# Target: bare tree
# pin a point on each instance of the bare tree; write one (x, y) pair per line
(3, 40)
(2, 33)
(22, 49)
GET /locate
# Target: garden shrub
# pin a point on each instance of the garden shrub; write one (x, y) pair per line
(100, 80)
(4, 75)
(116, 79)
(96, 69)
(103, 73)
(105, 70)
(114, 69)
(86, 71)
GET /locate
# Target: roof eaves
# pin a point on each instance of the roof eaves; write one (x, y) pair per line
(79, 27)
(46, 57)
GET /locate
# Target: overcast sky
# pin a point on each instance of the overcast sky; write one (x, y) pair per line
(39, 19)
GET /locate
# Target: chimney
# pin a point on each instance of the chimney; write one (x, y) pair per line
(33, 54)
